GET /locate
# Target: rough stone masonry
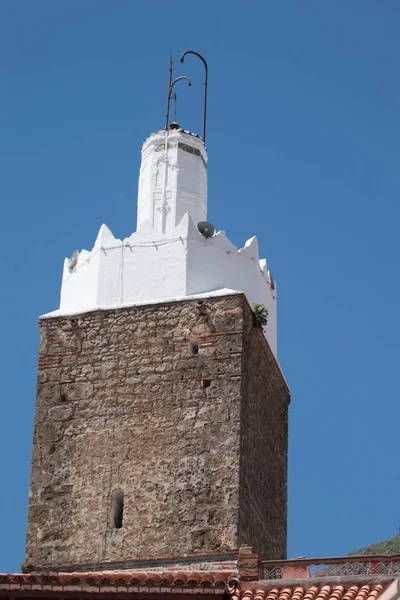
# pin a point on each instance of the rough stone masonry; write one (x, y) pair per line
(196, 443)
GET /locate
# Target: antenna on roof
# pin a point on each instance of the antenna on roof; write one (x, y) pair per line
(171, 62)
(174, 97)
(170, 86)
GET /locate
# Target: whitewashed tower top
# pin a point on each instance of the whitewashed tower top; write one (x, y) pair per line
(172, 180)
(167, 258)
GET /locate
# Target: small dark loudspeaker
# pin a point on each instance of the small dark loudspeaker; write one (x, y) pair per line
(73, 260)
(206, 229)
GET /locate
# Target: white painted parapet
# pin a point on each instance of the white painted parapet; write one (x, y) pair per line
(151, 267)
(172, 180)
(167, 258)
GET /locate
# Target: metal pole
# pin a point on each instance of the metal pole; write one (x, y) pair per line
(170, 95)
(205, 87)
(169, 91)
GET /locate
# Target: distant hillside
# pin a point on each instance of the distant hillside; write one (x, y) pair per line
(388, 547)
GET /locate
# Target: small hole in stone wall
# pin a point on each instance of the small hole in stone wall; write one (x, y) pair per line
(63, 397)
(206, 382)
(52, 449)
(193, 346)
(117, 509)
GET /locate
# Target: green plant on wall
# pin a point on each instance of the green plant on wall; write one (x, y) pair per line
(260, 316)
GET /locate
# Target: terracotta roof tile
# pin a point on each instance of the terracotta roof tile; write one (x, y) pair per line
(215, 580)
(246, 591)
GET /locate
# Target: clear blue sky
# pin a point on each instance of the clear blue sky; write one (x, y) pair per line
(303, 140)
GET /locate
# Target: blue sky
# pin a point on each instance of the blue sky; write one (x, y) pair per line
(303, 140)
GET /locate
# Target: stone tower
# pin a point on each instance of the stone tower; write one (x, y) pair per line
(161, 413)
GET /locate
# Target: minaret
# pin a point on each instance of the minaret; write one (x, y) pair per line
(161, 411)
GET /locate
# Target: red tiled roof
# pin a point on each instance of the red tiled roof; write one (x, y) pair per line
(131, 580)
(314, 592)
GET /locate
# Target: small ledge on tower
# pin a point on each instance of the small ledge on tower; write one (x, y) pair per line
(195, 135)
(80, 311)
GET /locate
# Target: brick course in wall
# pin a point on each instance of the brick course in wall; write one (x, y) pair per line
(196, 442)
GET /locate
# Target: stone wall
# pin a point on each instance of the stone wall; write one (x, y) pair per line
(263, 448)
(123, 405)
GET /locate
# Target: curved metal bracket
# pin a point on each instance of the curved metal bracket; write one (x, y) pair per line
(171, 85)
(205, 87)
